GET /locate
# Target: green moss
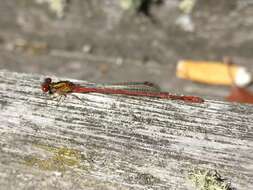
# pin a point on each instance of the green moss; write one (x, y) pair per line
(36, 162)
(56, 6)
(131, 4)
(208, 180)
(62, 159)
(187, 6)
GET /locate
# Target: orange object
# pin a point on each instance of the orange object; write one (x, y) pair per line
(241, 95)
(217, 73)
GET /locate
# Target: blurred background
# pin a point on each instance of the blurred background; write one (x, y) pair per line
(125, 40)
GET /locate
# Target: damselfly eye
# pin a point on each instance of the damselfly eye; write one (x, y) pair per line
(45, 85)
(48, 80)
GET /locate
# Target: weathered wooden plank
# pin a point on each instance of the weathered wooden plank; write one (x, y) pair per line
(117, 142)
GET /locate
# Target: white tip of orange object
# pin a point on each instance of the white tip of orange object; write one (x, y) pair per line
(217, 73)
(243, 77)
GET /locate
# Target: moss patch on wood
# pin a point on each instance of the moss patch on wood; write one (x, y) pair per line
(62, 159)
(208, 180)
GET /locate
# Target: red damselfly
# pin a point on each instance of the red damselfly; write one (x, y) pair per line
(145, 89)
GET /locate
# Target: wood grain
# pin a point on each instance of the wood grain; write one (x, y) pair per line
(117, 142)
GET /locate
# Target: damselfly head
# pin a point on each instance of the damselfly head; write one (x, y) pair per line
(45, 85)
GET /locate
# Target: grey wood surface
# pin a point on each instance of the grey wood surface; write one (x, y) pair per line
(117, 142)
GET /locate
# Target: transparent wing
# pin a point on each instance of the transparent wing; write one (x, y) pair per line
(130, 86)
